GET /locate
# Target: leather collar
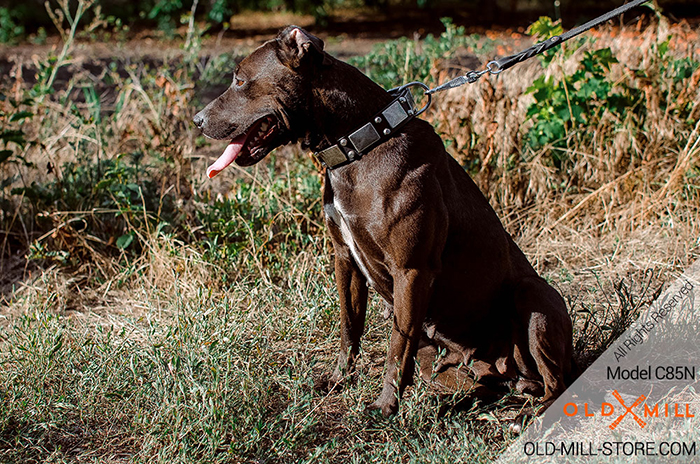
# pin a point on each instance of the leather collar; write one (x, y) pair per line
(379, 129)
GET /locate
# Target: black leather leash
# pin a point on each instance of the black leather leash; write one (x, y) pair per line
(500, 65)
(402, 109)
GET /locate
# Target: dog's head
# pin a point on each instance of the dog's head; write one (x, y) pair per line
(270, 90)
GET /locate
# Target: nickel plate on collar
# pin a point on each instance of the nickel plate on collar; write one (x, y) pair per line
(395, 114)
(333, 156)
(364, 137)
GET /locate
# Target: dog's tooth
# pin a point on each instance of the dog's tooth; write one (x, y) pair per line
(264, 126)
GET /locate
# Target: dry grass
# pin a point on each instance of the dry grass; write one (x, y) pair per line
(185, 349)
(627, 203)
(613, 182)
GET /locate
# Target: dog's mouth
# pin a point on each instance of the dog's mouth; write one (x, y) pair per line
(249, 147)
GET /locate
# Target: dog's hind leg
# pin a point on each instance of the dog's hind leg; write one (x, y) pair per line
(412, 290)
(545, 335)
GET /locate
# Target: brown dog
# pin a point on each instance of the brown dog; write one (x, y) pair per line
(405, 220)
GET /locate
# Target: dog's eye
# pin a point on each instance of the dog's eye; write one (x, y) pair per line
(238, 82)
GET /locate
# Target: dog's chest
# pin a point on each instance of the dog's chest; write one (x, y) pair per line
(334, 210)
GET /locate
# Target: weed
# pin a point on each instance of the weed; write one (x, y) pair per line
(600, 327)
(12, 115)
(59, 16)
(565, 107)
(580, 100)
(278, 217)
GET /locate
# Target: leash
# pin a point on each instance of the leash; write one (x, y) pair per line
(402, 109)
(498, 66)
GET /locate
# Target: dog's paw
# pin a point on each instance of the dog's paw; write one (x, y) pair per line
(387, 409)
(518, 424)
(515, 428)
(522, 420)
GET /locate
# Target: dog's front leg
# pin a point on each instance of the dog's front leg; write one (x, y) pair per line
(352, 288)
(412, 289)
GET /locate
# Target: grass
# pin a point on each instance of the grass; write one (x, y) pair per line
(194, 375)
(165, 318)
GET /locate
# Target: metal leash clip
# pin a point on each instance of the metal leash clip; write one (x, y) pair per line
(471, 77)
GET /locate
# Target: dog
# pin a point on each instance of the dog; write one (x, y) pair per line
(406, 220)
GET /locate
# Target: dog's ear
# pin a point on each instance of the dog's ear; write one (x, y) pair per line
(297, 45)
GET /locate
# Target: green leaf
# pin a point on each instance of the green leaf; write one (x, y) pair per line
(544, 28)
(4, 155)
(124, 241)
(21, 115)
(564, 114)
(15, 136)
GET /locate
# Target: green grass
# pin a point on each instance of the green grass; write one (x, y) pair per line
(212, 377)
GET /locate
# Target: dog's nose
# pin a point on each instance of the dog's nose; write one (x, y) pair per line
(198, 120)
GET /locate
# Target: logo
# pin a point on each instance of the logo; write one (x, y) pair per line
(638, 409)
(639, 401)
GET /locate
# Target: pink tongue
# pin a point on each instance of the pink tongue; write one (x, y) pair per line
(232, 151)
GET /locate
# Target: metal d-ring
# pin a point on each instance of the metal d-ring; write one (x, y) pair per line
(425, 92)
(494, 68)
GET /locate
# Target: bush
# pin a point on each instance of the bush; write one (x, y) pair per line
(10, 30)
(579, 100)
(397, 62)
(572, 109)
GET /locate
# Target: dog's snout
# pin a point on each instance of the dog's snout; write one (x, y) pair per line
(198, 120)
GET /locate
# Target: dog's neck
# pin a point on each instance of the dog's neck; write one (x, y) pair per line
(343, 99)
